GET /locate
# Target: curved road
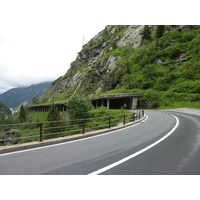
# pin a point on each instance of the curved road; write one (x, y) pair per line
(167, 142)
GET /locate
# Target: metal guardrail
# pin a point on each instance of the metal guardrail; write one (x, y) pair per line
(38, 131)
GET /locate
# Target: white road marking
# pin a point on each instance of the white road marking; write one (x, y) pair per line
(77, 140)
(137, 153)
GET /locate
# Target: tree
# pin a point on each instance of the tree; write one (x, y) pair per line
(160, 30)
(126, 80)
(35, 100)
(53, 116)
(152, 96)
(146, 34)
(22, 114)
(2, 117)
(79, 108)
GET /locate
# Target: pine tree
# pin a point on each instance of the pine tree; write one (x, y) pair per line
(22, 114)
(53, 116)
(146, 34)
(160, 30)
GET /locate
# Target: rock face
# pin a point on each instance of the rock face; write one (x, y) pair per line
(103, 61)
(132, 36)
(96, 68)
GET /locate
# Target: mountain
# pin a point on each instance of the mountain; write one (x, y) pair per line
(162, 61)
(4, 109)
(23, 95)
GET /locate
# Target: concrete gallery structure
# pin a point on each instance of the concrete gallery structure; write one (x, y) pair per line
(62, 107)
(128, 101)
(117, 101)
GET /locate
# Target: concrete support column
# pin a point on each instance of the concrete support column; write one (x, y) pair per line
(101, 102)
(96, 103)
(134, 103)
(108, 103)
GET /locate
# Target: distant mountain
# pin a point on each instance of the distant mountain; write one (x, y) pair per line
(23, 95)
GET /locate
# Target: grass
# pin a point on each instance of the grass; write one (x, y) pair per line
(25, 131)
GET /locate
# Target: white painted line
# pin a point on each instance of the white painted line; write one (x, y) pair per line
(137, 153)
(77, 140)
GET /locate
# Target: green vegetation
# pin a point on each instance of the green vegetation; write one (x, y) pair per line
(4, 109)
(22, 114)
(167, 70)
(160, 30)
(79, 108)
(103, 112)
(53, 117)
(165, 66)
(35, 100)
(146, 34)
(53, 127)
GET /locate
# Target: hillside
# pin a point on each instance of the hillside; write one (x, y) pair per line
(23, 95)
(4, 109)
(163, 62)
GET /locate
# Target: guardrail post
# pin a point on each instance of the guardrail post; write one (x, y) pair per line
(124, 119)
(134, 117)
(83, 126)
(41, 132)
(109, 122)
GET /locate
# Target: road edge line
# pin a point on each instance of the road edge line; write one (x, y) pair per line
(138, 152)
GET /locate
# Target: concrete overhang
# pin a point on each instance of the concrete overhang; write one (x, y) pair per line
(120, 95)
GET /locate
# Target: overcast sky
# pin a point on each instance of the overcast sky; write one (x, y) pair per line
(40, 38)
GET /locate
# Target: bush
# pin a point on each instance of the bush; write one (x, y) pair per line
(103, 112)
(79, 108)
(152, 96)
(16, 138)
(188, 86)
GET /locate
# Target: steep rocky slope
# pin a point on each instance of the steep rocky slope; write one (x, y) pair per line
(165, 67)
(97, 67)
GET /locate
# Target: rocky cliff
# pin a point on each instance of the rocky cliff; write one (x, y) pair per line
(98, 67)
(120, 58)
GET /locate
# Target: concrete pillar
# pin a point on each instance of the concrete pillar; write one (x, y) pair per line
(108, 103)
(96, 103)
(134, 103)
(101, 102)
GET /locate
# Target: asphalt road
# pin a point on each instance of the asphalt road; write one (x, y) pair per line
(162, 144)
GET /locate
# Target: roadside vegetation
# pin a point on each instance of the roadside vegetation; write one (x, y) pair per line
(56, 124)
